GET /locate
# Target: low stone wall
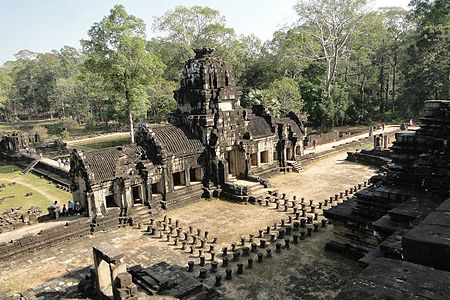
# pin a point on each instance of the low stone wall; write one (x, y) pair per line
(58, 234)
(59, 176)
(183, 196)
(322, 138)
(45, 238)
(371, 158)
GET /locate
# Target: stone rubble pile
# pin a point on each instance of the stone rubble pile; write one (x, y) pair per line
(17, 218)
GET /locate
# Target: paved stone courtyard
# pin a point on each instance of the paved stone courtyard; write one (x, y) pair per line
(304, 271)
(322, 178)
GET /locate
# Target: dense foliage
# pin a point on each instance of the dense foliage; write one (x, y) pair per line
(340, 63)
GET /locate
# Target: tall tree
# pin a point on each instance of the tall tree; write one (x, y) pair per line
(330, 23)
(186, 28)
(34, 76)
(427, 68)
(116, 52)
(5, 87)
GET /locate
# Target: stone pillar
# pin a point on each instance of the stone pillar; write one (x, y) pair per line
(187, 177)
(385, 141)
(128, 200)
(149, 192)
(258, 157)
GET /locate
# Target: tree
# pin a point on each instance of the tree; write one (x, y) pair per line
(162, 102)
(67, 83)
(287, 94)
(186, 28)
(397, 26)
(281, 97)
(116, 52)
(195, 27)
(5, 87)
(289, 48)
(330, 23)
(34, 76)
(427, 67)
(363, 62)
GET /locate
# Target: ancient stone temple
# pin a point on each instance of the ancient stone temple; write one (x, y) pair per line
(404, 214)
(11, 143)
(209, 142)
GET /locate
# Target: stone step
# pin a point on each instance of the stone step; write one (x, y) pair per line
(295, 165)
(29, 167)
(255, 189)
(261, 192)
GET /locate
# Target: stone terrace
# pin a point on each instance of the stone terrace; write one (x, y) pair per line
(65, 264)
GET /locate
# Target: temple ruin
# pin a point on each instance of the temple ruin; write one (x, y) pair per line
(210, 141)
(396, 225)
(403, 215)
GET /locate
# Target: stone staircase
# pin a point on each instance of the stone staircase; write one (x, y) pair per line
(245, 190)
(107, 222)
(29, 167)
(295, 165)
(257, 191)
(141, 214)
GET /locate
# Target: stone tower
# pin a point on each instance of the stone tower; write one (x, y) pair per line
(208, 102)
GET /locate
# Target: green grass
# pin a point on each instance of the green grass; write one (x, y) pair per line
(100, 144)
(20, 200)
(25, 125)
(55, 128)
(44, 193)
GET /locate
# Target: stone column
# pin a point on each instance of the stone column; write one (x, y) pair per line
(187, 177)
(127, 199)
(258, 156)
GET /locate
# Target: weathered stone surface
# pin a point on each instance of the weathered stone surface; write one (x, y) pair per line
(397, 280)
(415, 184)
(429, 244)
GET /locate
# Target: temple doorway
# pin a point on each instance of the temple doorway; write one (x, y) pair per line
(232, 158)
(136, 194)
(288, 154)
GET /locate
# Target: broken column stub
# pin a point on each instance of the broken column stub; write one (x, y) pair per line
(112, 279)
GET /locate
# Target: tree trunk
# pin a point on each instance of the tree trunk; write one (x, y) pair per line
(394, 71)
(362, 94)
(386, 97)
(130, 115)
(381, 92)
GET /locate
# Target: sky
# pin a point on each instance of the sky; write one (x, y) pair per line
(43, 25)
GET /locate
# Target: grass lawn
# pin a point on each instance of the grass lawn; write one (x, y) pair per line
(55, 127)
(44, 193)
(101, 143)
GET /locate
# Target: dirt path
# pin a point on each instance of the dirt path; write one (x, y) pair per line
(328, 146)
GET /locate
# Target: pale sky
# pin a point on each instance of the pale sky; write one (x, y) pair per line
(43, 25)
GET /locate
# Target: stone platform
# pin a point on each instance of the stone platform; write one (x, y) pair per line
(397, 280)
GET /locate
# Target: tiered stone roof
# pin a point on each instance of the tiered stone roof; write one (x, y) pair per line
(102, 163)
(294, 126)
(176, 140)
(259, 127)
(205, 71)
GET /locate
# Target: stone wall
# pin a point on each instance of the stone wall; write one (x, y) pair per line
(45, 238)
(322, 138)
